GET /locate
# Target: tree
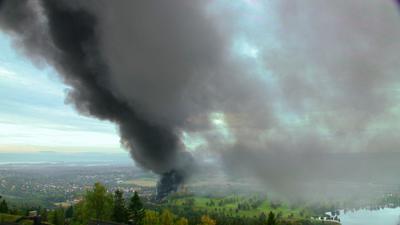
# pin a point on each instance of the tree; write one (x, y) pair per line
(69, 212)
(206, 220)
(189, 202)
(136, 209)
(98, 202)
(120, 212)
(182, 221)
(58, 217)
(80, 215)
(167, 218)
(271, 219)
(3, 205)
(279, 215)
(44, 215)
(262, 218)
(151, 218)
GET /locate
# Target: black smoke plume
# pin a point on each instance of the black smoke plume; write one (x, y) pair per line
(65, 36)
(278, 90)
(169, 182)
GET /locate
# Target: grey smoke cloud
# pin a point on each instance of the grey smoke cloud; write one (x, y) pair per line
(65, 35)
(349, 47)
(149, 69)
(282, 90)
(333, 67)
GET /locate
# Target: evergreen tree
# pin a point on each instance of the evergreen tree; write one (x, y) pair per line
(58, 217)
(262, 219)
(69, 212)
(44, 215)
(119, 213)
(136, 209)
(3, 205)
(271, 219)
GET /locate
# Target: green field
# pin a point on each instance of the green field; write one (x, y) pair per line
(143, 182)
(13, 218)
(239, 206)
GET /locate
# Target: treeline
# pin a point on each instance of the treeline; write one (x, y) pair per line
(245, 205)
(227, 216)
(100, 205)
(222, 218)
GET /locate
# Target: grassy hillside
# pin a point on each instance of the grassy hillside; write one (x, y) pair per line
(251, 207)
(13, 218)
(238, 206)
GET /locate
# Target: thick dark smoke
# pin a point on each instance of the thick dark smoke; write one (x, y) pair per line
(169, 183)
(65, 35)
(294, 93)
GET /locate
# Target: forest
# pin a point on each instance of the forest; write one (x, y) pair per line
(99, 204)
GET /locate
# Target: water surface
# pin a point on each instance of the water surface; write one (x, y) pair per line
(387, 216)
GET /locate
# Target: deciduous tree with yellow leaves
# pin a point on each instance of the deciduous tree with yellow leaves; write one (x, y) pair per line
(206, 220)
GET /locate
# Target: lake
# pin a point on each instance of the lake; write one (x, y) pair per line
(387, 216)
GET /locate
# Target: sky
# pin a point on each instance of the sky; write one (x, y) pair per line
(34, 115)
